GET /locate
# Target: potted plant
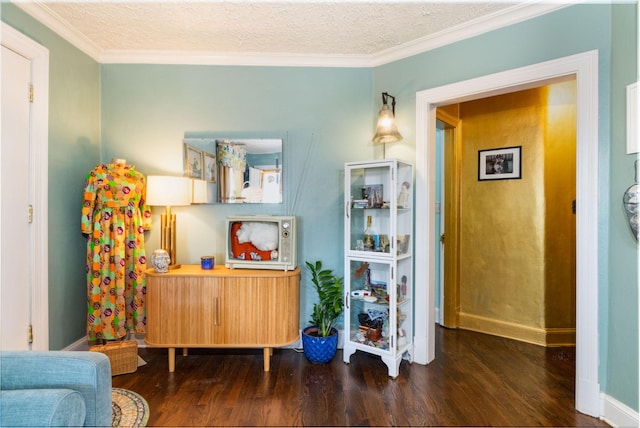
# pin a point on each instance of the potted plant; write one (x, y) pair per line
(320, 339)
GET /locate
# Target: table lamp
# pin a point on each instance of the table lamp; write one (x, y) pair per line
(168, 191)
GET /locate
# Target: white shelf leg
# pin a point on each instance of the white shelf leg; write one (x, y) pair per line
(393, 364)
(347, 352)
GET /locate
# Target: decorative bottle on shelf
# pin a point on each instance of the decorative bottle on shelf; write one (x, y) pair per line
(369, 236)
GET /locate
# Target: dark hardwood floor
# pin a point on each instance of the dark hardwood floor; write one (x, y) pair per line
(475, 380)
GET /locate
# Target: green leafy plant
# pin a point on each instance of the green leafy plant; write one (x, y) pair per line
(330, 305)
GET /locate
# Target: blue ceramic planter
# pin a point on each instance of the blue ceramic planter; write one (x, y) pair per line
(319, 349)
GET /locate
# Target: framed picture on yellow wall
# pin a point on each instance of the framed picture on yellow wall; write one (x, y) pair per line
(500, 164)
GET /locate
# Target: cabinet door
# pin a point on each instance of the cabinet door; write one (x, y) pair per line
(184, 311)
(369, 309)
(369, 197)
(260, 311)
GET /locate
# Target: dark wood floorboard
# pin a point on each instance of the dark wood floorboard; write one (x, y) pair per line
(475, 380)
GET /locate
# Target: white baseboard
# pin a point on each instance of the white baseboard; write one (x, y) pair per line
(79, 345)
(616, 413)
(82, 344)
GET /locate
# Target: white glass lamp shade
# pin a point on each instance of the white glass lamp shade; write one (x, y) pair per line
(387, 130)
(163, 190)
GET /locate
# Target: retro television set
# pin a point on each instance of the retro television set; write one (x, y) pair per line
(261, 242)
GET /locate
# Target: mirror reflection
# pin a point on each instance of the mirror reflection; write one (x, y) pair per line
(236, 170)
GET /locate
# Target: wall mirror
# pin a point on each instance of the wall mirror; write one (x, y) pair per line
(235, 171)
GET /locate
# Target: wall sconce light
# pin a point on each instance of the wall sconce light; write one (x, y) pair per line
(168, 191)
(387, 130)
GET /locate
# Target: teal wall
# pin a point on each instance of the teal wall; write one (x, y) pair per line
(566, 32)
(621, 379)
(74, 148)
(142, 113)
(147, 110)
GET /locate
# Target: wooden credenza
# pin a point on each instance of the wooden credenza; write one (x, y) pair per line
(222, 308)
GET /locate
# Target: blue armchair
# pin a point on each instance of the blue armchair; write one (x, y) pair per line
(55, 388)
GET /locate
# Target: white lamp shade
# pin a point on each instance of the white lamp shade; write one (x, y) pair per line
(164, 190)
(199, 192)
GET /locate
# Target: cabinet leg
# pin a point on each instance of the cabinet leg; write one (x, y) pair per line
(267, 358)
(347, 351)
(172, 359)
(393, 364)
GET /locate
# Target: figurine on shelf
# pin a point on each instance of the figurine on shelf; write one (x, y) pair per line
(403, 196)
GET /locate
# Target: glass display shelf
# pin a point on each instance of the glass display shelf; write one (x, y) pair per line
(379, 261)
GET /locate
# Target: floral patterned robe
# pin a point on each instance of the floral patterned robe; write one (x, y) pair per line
(114, 218)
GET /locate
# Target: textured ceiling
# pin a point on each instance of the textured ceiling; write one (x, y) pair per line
(335, 27)
(113, 30)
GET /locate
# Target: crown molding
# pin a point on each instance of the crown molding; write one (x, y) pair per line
(58, 25)
(518, 13)
(509, 16)
(233, 58)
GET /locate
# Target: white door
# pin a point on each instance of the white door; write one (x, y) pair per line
(24, 153)
(15, 187)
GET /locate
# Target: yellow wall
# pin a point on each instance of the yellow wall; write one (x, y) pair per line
(517, 257)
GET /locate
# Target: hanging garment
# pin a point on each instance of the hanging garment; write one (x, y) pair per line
(114, 218)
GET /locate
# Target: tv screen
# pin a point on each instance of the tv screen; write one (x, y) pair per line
(261, 242)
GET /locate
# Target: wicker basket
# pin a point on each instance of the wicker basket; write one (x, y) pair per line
(122, 355)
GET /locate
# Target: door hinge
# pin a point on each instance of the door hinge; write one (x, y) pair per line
(573, 206)
(30, 333)
(30, 215)
(442, 238)
(30, 93)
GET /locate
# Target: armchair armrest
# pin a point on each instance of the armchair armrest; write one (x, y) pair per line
(86, 372)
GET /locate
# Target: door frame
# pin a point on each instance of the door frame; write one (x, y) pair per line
(450, 227)
(38, 55)
(584, 67)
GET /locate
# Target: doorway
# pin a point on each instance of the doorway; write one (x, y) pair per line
(584, 68)
(510, 264)
(32, 209)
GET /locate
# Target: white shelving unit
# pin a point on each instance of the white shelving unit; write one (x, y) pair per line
(379, 275)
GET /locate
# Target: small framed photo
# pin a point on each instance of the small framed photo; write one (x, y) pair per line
(500, 164)
(209, 167)
(193, 162)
